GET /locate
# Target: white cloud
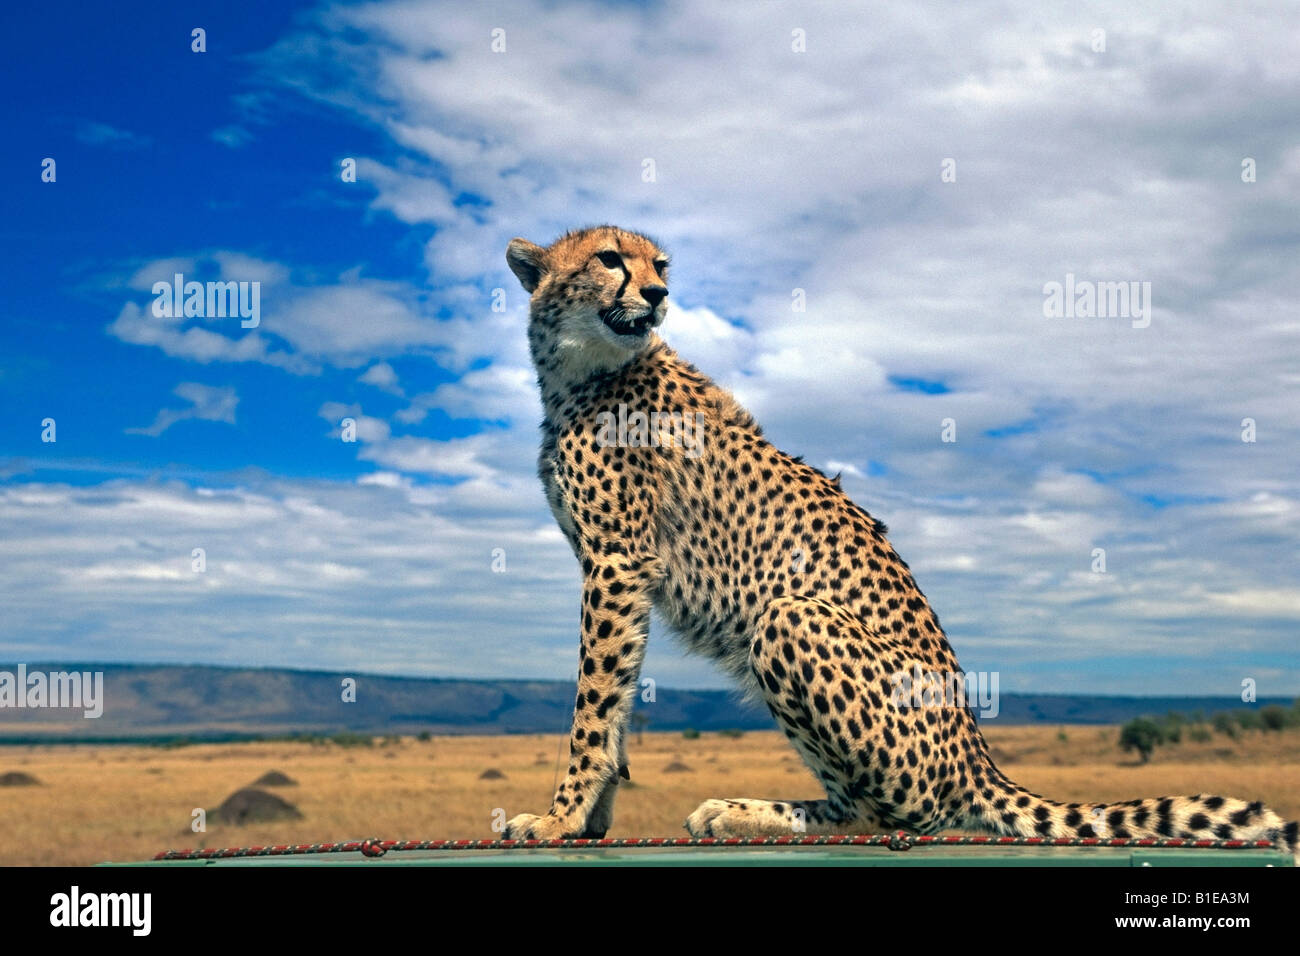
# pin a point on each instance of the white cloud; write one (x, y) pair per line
(300, 327)
(207, 403)
(103, 134)
(138, 326)
(455, 457)
(350, 323)
(497, 393)
(233, 136)
(1261, 602)
(238, 267)
(382, 376)
(408, 195)
(368, 428)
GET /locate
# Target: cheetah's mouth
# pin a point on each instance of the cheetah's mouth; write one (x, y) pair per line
(618, 321)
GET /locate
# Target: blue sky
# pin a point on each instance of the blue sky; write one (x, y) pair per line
(142, 176)
(780, 173)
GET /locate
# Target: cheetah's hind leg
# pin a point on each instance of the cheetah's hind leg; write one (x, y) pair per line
(844, 810)
(822, 673)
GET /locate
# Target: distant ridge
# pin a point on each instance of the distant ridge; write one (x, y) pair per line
(203, 701)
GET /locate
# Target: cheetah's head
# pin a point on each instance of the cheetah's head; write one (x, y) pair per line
(600, 290)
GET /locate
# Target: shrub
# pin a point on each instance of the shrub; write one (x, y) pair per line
(1249, 720)
(1273, 717)
(1225, 725)
(347, 738)
(1141, 734)
(1171, 727)
(690, 733)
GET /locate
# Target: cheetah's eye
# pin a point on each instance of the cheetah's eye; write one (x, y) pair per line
(660, 266)
(610, 260)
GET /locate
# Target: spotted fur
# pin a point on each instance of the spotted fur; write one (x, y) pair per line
(762, 563)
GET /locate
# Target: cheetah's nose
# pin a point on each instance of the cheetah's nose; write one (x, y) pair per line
(654, 294)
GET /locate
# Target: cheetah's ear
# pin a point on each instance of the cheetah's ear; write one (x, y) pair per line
(526, 261)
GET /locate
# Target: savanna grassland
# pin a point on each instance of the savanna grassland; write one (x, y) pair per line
(121, 802)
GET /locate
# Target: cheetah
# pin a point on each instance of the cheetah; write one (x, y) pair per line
(762, 563)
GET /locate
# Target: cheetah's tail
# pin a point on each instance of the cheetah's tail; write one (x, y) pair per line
(1006, 809)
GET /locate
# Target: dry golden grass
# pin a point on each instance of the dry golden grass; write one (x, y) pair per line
(126, 802)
